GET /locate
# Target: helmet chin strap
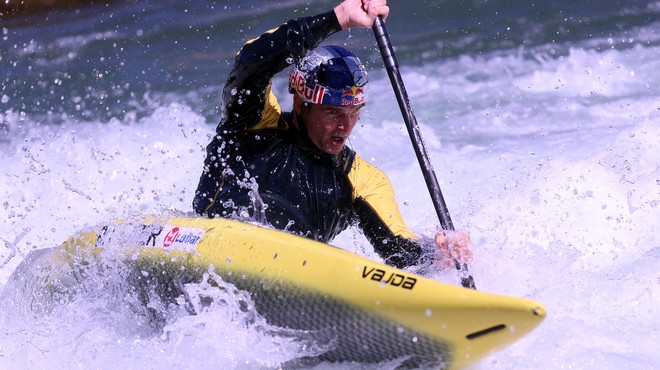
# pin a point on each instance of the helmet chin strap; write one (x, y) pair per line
(302, 127)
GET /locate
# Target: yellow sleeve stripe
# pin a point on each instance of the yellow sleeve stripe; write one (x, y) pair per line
(252, 40)
(270, 114)
(372, 185)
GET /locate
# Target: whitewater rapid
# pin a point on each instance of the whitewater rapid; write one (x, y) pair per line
(550, 162)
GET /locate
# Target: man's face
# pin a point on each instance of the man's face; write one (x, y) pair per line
(329, 126)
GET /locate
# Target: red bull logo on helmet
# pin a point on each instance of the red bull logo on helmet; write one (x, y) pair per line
(353, 96)
(298, 83)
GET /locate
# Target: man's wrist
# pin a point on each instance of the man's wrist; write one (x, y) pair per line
(342, 17)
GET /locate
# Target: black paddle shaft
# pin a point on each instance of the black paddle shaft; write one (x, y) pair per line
(392, 67)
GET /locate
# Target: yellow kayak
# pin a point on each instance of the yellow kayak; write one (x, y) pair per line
(371, 311)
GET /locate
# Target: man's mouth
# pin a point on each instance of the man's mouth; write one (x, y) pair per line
(338, 139)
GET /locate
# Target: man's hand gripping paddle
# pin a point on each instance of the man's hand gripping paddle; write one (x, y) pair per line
(383, 40)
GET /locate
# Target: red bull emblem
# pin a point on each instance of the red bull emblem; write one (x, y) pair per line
(354, 91)
(353, 96)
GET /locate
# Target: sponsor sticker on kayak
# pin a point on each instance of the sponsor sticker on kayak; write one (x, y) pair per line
(179, 238)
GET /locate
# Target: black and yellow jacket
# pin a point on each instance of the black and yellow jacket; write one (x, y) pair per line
(259, 166)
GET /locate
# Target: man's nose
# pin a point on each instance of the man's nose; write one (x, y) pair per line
(343, 122)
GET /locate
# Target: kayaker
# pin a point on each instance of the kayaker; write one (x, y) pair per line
(293, 170)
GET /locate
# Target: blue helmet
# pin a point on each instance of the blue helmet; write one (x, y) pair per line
(329, 75)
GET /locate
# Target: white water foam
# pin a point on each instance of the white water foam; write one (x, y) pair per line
(558, 187)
